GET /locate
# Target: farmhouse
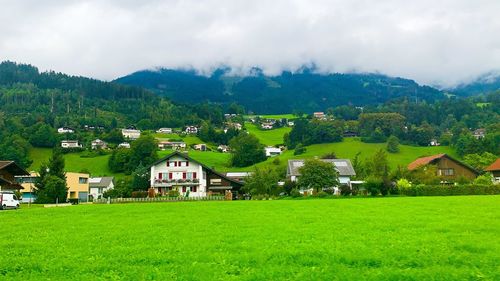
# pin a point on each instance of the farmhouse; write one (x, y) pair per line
(98, 144)
(124, 145)
(175, 145)
(132, 134)
(272, 151)
(479, 133)
(164, 130)
(70, 144)
(200, 147)
(266, 126)
(65, 130)
(223, 148)
(191, 130)
(343, 167)
(97, 186)
(494, 169)
(447, 167)
(9, 170)
(238, 176)
(178, 171)
(319, 115)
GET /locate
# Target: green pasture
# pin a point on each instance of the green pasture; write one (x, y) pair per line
(268, 137)
(412, 238)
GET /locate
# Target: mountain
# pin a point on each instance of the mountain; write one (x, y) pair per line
(306, 91)
(487, 83)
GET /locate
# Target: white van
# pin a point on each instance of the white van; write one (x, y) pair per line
(8, 200)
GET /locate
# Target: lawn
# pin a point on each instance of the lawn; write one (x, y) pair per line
(413, 238)
(97, 166)
(268, 137)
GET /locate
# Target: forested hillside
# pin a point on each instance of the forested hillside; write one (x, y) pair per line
(305, 91)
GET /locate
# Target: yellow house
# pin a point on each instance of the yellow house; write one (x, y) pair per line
(78, 186)
(77, 183)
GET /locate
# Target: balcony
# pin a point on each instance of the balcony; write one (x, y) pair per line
(176, 182)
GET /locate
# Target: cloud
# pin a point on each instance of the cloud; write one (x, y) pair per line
(434, 42)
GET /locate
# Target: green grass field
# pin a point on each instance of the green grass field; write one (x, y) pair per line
(268, 137)
(413, 238)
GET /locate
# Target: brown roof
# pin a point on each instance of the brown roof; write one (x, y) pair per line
(14, 168)
(495, 166)
(424, 161)
(4, 164)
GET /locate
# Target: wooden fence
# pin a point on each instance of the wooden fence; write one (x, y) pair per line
(157, 199)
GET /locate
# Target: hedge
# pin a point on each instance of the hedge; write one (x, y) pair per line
(444, 190)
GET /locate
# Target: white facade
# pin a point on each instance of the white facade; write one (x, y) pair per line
(64, 130)
(175, 145)
(272, 151)
(98, 191)
(177, 173)
(99, 144)
(164, 130)
(70, 144)
(124, 145)
(191, 130)
(131, 134)
(201, 147)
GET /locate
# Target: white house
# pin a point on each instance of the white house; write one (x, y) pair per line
(175, 145)
(132, 134)
(96, 144)
(124, 145)
(291, 123)
(178, 171)
(191, 130)
(343, 166)
(272, 151)
(434, 142)
(65, 130)
(319, 115)
(223, 148)
(479, 133)
(200, 147)
(164, 130)
(266, 126)
(97, 186)
(70, 144)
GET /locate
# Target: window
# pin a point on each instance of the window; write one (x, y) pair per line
(215, 181)
(83, 180)
(446, 172)
(193, 188)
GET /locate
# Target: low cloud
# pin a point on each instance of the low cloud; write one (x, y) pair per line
(434, 42)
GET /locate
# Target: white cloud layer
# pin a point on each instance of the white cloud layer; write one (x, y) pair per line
(434, 42)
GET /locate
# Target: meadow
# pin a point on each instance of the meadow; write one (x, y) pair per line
(399, 238)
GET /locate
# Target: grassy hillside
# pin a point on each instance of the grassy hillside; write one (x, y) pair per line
(406, 238)
(268, 137)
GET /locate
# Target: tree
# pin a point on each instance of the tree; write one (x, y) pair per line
(380, 165)
(16, 149)
(143, 151)
(262, 181)
(43, 136)
(141, 178)
(392, 144)
(318, 175)
(51, 183)
(299, 149)
(246, 150)
(480, 161)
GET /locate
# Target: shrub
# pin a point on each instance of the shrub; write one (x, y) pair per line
(447, 190)
(295, 193)
(299, 149)
(345, 190)
(374, 185)
(321, 194)
(139, 194)
(173, 193)
(485, 179)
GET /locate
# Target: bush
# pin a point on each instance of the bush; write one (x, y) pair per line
(321, 194)
(299, 149)
(139, 194)
(447, 190)
(374, 186)
(485, 179)
(345, 190)
(295, 193)
(173, 193)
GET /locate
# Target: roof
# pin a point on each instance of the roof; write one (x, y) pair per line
(185, 156)
(419, 162)
(100, 182)
(343, 166)
(13, 167)
(495, 166)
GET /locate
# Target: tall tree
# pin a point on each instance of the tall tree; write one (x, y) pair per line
(51, 183)
(318, 175)
(246, 150)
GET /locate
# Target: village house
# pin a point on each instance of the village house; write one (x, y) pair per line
(28, 184)
(479, 133)
(130, 133)
(9, 171)
(319, 115)
(266, 126)
(239, 176)
(291, 123)
(97, 186)
(343, 167)
(164, 130)
(191, 130)
(77, 183)
(70, 144)
(223, 148)
(200, 147)
(65, 130)
(174, 145)
(447, 167)
(434, 142)
(272, 151)
(98, 144)
(177, 171)
(494, 169)
(124, 145)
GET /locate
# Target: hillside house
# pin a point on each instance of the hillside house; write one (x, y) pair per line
(239, 176)
(223, 148)
(447, 167)
(65, 130)
(494, 169)
(70, 144)
(272, 151)
(97, 186)
(479, 133)
(164, 130)
(434, 142)
(174, 145)
(98, 144)
(200, 147)
(9, 171)
(191, 130)
(319, 115)
(132, 134)
(343, 167)
(291, 123)
(177, 171)
(266, 126)
(124, 145)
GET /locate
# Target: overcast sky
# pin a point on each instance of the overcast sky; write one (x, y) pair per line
(434, 42)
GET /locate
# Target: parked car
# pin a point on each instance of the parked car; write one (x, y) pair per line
(8, 200)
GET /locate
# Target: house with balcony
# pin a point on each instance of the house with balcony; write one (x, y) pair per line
(9, 171)
(178, 171)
